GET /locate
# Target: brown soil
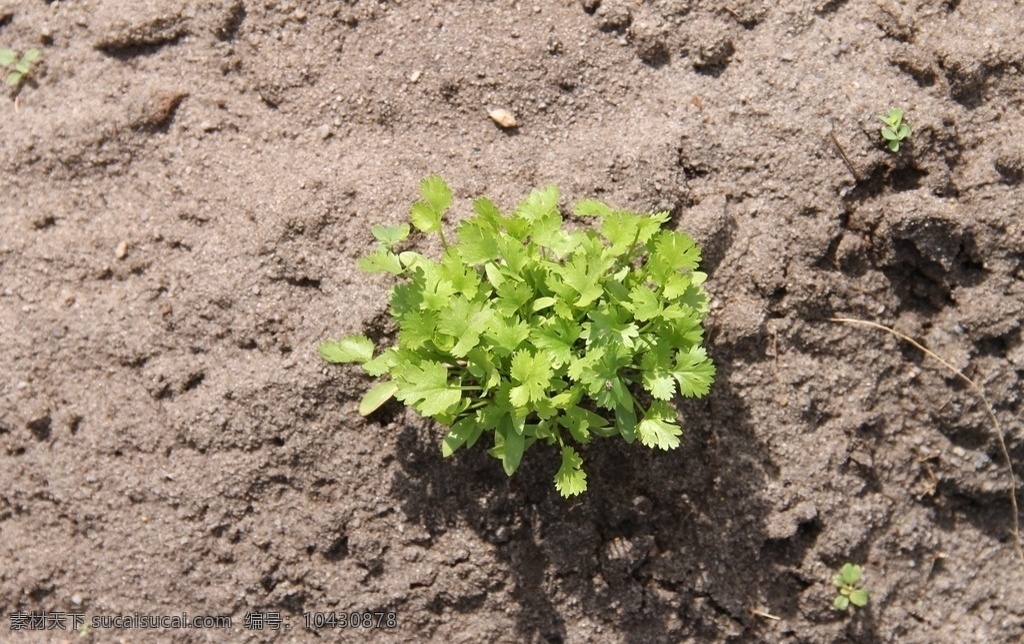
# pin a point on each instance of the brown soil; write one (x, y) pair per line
(187, 186)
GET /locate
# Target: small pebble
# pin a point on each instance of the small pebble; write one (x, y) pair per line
(122, 250)
(415, 76)
(503, 118)
(324, 131)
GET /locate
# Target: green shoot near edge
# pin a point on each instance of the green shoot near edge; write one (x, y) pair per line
(533, 333)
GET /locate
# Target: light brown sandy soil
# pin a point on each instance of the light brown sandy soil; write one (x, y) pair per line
(186, 187)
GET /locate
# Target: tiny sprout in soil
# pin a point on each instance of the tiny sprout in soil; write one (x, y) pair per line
(895, 129)
(847, 581)
(536, 334)
(21, 68)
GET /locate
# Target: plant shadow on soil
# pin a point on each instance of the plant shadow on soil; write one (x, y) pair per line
(662, 544)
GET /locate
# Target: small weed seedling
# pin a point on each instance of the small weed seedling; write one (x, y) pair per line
(21, 68)
(895, 129)
(847, 581)
(537, 334)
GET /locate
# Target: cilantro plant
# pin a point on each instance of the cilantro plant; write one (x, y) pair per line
(847, 581)
(21, 67)
(895, 129)
(533, 333)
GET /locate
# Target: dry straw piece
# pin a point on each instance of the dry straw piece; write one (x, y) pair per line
(988, 409)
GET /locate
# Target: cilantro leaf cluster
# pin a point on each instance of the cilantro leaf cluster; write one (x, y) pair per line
(533, 333)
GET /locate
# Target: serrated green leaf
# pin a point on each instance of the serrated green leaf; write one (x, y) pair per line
(30, 55)
(683, 332)
(859, 597)
(477, 242)
(381, 364)
(547, 233)
(424, 217)
(507, 334)
(564, 310)
(888, 134)
(390, 235)
(570, 479)
(417, 328)
(437, 290)
(539, 204)
(584, 368)
(377, 396)
(532, 373)
(656, 364)
(13, 78)
(406, 298)
(673, 251)
(464, 278)
(380, 261)
(842, 602)
(517, 228)
(436, 193)
(694, 372)
(351, 348)
(8, 57)
(513, 252)
(511, 297)
(556, 338)
(644, 303)
(661, 386)
(481, 365)
(425, 387)
(657, 428)
(582, 274)
(486, 209)
(622, 230)
(581, 422)
(610, 325)
(650, 225)
(591, 208)
(465, 320)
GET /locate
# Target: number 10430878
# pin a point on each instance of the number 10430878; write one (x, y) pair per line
(357, 619)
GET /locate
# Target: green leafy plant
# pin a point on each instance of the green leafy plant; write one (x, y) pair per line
(535, 333)
(895, 129)
(847, 581)
(21, 68)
